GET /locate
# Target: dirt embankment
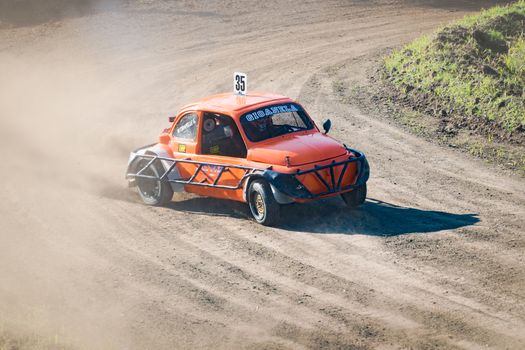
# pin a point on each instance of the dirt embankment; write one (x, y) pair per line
(432, 260)
(463, 85)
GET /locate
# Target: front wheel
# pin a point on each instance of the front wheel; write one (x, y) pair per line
(356, 197)
(263, 206)
(152, 191)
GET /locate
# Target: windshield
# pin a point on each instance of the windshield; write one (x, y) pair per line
(275, 120)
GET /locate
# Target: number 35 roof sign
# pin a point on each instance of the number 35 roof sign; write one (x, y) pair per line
(240, 83)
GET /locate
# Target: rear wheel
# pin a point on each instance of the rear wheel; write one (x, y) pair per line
(263, 206)
(356, 197)
(153, 192)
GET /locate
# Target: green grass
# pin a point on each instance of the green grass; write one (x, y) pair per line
(474, 67)
(15, 341)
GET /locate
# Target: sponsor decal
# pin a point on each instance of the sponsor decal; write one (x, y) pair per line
(212, 169)
(186, 124)
(270, 111)
(182, 148)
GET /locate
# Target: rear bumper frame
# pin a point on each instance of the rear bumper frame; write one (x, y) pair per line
(170, 168)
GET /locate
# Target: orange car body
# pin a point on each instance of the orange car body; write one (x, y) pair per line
(320, 165)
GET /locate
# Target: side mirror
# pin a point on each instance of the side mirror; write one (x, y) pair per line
(164, 139)
(327, 125)
(171, 119)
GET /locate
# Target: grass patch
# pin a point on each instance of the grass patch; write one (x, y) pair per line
(471, 72)
(18, 341)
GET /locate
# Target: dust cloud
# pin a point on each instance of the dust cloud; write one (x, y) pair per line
(59, 156)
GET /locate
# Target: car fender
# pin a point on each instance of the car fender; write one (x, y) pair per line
(280, 197)
(162, 151)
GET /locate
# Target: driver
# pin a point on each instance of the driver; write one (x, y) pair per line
(219, 138)
(264, 126)
(209, 137)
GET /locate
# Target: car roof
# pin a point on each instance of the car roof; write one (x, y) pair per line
(229, 102)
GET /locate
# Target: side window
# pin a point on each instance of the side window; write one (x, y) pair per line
(221, 137)
(186, 128)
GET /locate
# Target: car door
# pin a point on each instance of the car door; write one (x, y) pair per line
(184, 145)
(220, 146)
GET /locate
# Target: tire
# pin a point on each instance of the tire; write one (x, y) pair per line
(356, 197)
(153, 192)
(263, 206)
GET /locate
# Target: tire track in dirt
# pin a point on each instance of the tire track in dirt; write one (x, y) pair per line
(458, 257)
(237, 248)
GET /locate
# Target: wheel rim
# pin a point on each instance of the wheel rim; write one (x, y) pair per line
(149, 189)
(257, 205)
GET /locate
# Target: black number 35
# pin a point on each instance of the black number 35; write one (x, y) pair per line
(240, 84)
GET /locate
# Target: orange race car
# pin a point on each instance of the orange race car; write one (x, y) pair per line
(262, 149)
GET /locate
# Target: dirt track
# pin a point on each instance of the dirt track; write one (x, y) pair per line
(433, 260)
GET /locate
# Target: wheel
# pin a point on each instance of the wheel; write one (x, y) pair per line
(356, 197)
(153, 192)
(263, 206)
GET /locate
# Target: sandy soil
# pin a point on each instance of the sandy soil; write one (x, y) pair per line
(434, 259)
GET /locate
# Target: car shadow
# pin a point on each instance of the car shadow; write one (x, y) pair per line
(374, 218)
(209, 206)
